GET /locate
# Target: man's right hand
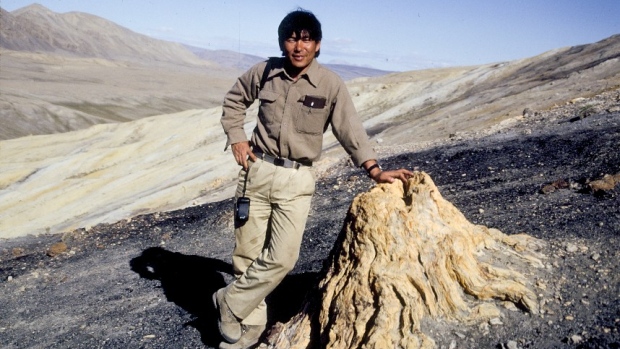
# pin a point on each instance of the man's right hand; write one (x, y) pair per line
(241, 151)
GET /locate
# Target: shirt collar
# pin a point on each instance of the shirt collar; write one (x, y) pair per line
(312, 74)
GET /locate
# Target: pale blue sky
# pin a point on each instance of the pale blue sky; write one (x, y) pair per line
(390, 34)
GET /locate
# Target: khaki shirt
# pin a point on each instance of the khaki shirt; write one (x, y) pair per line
(293, 115)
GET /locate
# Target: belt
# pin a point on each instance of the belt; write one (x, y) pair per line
(283, 162)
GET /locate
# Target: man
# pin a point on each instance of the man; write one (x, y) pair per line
(299, 98)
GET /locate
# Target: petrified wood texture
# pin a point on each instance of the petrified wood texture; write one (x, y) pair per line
(406, 253)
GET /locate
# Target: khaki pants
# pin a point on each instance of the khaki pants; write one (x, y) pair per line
(267, 244)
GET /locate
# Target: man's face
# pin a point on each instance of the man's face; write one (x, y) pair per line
(301, 51)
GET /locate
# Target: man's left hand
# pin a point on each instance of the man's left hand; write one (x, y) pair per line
(392, 175)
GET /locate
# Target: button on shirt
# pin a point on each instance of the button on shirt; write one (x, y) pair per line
(294, 114)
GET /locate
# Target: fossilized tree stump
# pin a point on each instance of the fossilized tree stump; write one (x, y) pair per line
(404, 254)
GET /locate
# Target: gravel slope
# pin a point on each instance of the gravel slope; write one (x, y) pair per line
(145, 283)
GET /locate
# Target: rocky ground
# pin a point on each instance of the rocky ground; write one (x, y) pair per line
(146, 282)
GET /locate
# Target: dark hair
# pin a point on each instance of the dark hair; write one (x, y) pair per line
(296, 22)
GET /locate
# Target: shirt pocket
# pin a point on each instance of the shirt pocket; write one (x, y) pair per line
(268, 112)
(311, 118)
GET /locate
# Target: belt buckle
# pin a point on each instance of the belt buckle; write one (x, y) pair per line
(278, 161)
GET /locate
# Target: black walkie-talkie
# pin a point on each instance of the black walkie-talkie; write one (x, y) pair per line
(242, 206)
(242, 209)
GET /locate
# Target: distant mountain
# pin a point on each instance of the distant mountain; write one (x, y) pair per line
(226, 58)
(35, 28)
(244, 61)
(349, 72)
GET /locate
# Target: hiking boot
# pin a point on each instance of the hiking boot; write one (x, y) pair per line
(230, 326)
(249, 338)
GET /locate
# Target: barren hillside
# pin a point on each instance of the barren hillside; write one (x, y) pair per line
(43, 93)
(110, 172)
(63, 72)
(435, 103)
(35, 28)
(141, 282)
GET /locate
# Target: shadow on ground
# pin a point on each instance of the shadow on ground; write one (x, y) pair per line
(189, 281)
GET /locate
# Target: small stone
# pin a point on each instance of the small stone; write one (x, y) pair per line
(571, 248)
(548, 189)
(496, 321)
(481, 211)
(17, 252)
(484, 327)
(561, 184)
(149, 336)
(510, 306)
(512, 345)
(10, 278)
(569, 318)
(576, 339)
(56, 249)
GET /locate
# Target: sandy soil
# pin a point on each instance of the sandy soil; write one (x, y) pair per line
(146, 282)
